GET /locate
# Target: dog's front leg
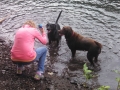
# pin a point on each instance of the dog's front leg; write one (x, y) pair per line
(49, 41)
(73, 52)
(57, 43)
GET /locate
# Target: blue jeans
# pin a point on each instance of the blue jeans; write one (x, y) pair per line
(40, 58)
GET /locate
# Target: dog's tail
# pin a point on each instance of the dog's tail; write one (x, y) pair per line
(58, 17)
(99, 46)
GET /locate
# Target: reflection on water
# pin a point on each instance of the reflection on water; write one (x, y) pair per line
(98, 19)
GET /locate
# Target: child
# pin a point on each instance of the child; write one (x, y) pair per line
(23, 52)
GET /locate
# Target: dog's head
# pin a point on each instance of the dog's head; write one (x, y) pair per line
(67, 31)
(50, 27)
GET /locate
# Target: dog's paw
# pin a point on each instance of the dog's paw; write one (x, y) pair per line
(96, 69)
(90, 67)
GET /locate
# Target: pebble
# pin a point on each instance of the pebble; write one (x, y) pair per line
(3, 71)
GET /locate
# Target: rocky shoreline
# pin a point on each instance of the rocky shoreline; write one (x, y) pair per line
(9, 80)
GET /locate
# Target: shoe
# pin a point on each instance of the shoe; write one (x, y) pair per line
(38, 76)
(19, 70)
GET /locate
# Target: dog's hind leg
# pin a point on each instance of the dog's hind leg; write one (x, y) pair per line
(73, 53)
(57, 43)
(96, 58)
(90, 58)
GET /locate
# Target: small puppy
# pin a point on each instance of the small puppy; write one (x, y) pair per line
(78, 42)
(52, 29)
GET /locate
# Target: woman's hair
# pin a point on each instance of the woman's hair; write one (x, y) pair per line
(31, 23)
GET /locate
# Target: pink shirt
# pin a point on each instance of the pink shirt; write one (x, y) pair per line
(23, 47)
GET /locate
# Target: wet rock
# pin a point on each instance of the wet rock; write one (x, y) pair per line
(115, 50)
(50, 73)
(2, 39)
(7, 68)
(51, 87)
(73, 82)
(3, 71)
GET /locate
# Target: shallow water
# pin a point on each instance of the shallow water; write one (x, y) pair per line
(98, 19)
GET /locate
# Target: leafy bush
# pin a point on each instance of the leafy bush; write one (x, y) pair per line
(87, 73)
(103, 88)
(117, 79)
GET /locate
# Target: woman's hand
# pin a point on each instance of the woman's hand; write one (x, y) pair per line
(42, 30)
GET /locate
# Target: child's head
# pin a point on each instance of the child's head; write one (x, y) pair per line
(31, 23)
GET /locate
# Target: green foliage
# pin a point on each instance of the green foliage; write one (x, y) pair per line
(116, 71)
(103, 88)
(87, 73)
(117, 79)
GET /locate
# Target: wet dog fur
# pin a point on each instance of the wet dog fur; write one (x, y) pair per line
(76, 41)
(53, 34)
(52, 29)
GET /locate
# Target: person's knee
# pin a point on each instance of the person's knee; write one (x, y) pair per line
(45, 49)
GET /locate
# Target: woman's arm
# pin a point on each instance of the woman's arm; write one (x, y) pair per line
(41, 37)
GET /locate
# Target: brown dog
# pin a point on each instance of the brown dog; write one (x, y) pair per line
(78, 42)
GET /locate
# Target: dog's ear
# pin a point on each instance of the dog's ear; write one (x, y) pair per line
(69, 28)
(65, 29)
